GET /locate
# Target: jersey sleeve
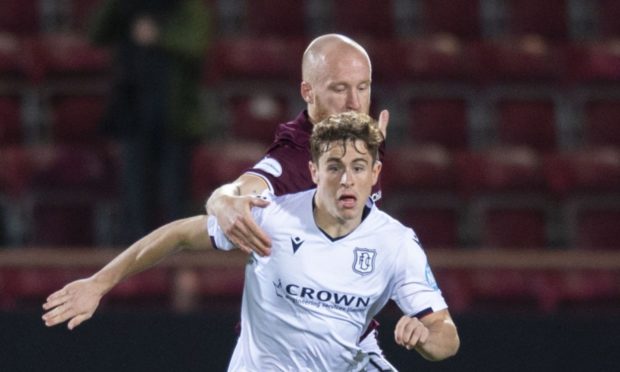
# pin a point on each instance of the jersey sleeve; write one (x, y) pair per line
(284, 168)
(416, 292)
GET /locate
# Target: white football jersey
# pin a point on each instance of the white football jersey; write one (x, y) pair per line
(306, 305)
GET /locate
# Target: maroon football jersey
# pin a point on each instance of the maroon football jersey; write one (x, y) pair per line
(285, 165)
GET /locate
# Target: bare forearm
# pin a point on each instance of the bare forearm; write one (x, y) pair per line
(152, 248)
(443, 341)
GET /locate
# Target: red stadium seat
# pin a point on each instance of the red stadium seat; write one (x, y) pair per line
(418, 168)
(13, 56)
(440, 57)
(506, 192)
(529, 58)
(436, 226)
(67, 55)
(217, 163)
(20, 17)
(419, 183)
(11, 131)
(527, 122)
(546, 18)
(239, 58)
(76, 118)
(596, 61)
(512, 289)
(255, 117)
(608, 15)
(601, 123)
(68, 183)
(16, 170)
(588, 182)
(365, 18)
(274, 18)
(441, 121)
(460, 18)
(591, 171)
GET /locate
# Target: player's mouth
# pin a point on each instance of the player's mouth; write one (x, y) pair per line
(347, 200)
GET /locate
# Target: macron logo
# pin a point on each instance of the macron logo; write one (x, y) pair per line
(296, 242)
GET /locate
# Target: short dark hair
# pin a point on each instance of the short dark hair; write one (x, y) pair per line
(346, 126)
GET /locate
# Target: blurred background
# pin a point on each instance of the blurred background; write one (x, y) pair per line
(503, 154)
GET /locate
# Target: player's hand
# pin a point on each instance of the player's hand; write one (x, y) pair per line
(410, 332)
(76, 302)
(384, 118)
(235, 218)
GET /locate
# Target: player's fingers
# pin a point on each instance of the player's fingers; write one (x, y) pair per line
(243, 237)
(254, 237)
(59, 293)
(399, 330)
(77, 320)
(384, 118)
(53, 301)
(58, 315)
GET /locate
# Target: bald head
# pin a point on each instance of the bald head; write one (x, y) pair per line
(324, 50)
(336, 77)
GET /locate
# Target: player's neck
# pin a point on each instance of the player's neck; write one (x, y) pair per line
(334, 226)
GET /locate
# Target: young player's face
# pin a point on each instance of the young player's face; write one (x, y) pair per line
(344, 178)
(342, 84)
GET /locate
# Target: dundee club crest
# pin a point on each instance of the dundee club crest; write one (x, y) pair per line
(364, 260)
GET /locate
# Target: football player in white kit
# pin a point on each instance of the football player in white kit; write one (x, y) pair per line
(336, 260)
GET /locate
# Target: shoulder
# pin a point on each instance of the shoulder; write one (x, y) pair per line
(392, 228)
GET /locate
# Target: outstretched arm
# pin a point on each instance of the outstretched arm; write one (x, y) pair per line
(434, 336)
(232, 204)
(78, 300)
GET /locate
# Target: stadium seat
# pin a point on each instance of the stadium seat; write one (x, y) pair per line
(608, 15)
(217, 163)
(601, 123)
(588, 182)
(364, 18)
(255, 117)
(273, 18)
(596, 61)
(70, 55)
(69, 183)
(529, 58)
(16, 170)
(418, 182)
(76, 118)
(13, 56)
(238, 58)
(440, 57)
(546, 18)
(11, 131)
(527, 122)
(460, 18)
(507, 204)
(20, 17)
(511, 289)
(149, 288)
(441, 121)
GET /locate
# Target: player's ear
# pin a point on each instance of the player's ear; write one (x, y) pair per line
(306, 92)
(376, 171)
(314, 172)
